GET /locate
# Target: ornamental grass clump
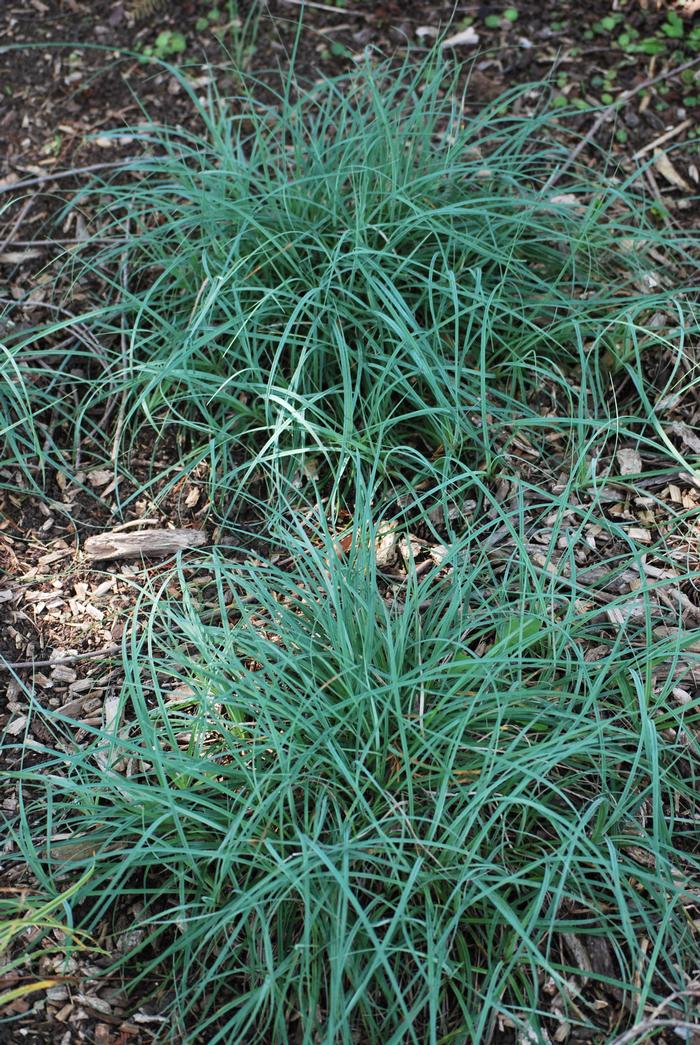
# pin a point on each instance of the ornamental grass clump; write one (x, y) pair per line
(335, 798)
(368, 262)
(338, 817)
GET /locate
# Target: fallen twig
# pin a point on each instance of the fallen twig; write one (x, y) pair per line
(42, 179)
(26, 206)
(124, 343)
(23, 665)
(635, 1034)
(662, 139)
(57, 242)
(327, 7)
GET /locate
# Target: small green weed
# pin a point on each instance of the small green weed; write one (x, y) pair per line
(167, 44)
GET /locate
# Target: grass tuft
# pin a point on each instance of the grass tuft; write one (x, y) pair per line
(359, 265)
(362, 819)
(333, 802)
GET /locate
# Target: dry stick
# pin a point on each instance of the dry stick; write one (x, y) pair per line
(56, 242)
(123, 341)
(82, 332)
(327, 7)
(605, 113)
(18, 221)
(647, 1025)
(44, 178)
(7, 665)
(662, 139)
(654, 1019)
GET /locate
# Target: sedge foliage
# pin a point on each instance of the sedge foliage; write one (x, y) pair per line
(346, 819)
(355, 266)
(335, 811)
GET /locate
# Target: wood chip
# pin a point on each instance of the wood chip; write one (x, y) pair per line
(687, 435)
(17, 726)
(629, 461)
(467, 37)
(109, 546)
(62, 673)
(386, 552)
(629, 611)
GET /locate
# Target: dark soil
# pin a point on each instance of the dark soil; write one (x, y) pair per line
(73, 69)
(70, 68)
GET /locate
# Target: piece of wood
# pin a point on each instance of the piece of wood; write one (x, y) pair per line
(108, 546)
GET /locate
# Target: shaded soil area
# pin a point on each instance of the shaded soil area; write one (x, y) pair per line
(72, 69)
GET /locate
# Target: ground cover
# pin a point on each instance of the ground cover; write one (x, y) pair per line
(410, 752)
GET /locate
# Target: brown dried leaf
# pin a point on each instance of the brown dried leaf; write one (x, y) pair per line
(640, 533)
(100, 477)
(192, 497)
(669, 172)
(687, 435)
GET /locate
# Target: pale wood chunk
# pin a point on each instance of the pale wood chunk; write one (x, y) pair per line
(107, 546)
